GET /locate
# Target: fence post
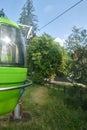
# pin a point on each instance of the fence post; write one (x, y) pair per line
(64, 89)
(81, 95)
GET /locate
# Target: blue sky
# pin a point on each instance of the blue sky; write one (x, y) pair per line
(47, 10)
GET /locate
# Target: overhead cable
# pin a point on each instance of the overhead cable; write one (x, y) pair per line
(61, 14)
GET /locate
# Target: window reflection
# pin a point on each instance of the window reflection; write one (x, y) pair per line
(11, 46)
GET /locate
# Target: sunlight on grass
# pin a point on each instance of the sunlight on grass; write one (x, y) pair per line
(39, 95)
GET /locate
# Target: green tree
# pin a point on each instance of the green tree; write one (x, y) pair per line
(77, 47)
(28, 17)
(74, 40)
(45, 58)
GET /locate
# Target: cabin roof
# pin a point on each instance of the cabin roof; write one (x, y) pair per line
(7, 21)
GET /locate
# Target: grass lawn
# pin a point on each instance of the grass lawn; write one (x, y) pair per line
(47, 111)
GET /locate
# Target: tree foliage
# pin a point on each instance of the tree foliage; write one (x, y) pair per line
(46, 58)
(77, 39)
(27, 16)
(77, 47)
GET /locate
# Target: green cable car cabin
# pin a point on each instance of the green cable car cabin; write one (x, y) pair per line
(12, 64)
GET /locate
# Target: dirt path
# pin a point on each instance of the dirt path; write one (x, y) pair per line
(67, 83)
(61, 82)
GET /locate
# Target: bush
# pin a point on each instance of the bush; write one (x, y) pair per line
(46, 58)
(37, 78)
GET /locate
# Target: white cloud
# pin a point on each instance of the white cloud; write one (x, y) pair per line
(60, 41)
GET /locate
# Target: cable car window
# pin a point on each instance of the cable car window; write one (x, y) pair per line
(11, 46)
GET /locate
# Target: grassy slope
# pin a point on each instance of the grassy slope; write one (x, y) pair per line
(46, 107)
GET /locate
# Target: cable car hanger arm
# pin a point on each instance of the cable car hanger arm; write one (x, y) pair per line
(29, 34)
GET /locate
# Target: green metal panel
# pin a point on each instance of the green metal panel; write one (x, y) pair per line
(10, 76)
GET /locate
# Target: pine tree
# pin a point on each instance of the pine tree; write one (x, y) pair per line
(28, 17)
(23, 17)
